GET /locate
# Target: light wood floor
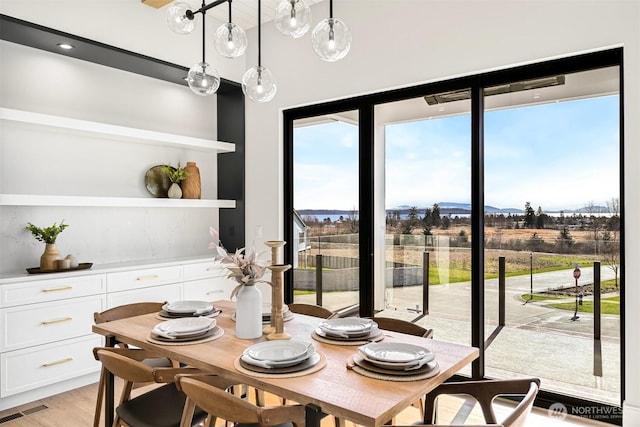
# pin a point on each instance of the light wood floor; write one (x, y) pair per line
(75, 409)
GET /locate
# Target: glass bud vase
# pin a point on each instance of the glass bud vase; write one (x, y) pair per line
(249, 312)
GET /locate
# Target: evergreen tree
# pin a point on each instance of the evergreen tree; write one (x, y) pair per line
(529, 216)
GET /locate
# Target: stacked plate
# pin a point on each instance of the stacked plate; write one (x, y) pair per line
(178, 309)
(395, 358)
(185, 329)
(280, 356)
(348, 329)
(266, 313)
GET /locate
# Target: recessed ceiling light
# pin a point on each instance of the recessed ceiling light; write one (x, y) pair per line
(65, 46)
(536, 96)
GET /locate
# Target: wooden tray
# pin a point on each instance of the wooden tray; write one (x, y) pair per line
(81, 266)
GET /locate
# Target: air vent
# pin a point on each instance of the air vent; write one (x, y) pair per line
(459, 95)
(21, 414)
(11, 417)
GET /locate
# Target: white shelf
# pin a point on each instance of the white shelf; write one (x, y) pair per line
(86, 201)
(133, 134)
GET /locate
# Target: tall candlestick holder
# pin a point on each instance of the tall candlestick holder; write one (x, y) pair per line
(275, 245)
(277, 284)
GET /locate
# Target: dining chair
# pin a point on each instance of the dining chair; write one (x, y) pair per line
(123, 312)
(161, 406)
(312, 310)
(208, 392)
(485, 393)
(404, 326)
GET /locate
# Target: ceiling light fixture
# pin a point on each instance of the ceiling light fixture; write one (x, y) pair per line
(65, 46)
(258, 83)
(331, 40)
(293, 18)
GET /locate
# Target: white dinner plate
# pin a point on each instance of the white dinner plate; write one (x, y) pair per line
(394, 352)
(399, 366)
(277, 351)
(185, 326)
(347, 326)
(195, 307)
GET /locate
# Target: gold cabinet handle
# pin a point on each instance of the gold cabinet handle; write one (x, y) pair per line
(64, 288)
(144, 278)
(51, 322)
(212, 269)
(57, 362)
(217, 291)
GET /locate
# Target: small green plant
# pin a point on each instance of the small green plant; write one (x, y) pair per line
(47, 234)
(175, 175)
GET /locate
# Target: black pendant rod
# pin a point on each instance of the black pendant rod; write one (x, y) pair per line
(191, 13)
(330, 8)
(203, 32)
(259, 34)
(230, 21)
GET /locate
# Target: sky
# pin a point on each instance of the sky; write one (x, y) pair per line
(558, 156)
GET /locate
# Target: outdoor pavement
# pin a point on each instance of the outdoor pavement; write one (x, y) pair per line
(537, 340)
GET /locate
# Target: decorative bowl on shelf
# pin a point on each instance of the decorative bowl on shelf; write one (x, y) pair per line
(157, 182)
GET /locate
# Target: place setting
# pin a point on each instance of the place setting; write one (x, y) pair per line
(282, 359)
(394, 361)
(185, 331)
(347, 331)
(186, 309)
(266, 314)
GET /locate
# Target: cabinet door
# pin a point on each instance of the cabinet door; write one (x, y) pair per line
(39, 366)
(212, 289)
(143, 278)
(157, 293)
(29, 325)
(43, 290)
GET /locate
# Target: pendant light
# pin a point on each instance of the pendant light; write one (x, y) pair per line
(203, 79)
(258, 83)
(331, 38)
(230, 40)
(180, 18)
(293, 18)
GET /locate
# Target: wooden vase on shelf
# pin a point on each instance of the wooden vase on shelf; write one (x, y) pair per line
(191, 185)
(49, 259)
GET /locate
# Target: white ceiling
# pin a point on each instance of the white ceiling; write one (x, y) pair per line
(245, 12)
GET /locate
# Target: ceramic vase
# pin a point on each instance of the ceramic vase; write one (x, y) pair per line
(191, 185)
(249, 312)
(49, 259)
(174, 191)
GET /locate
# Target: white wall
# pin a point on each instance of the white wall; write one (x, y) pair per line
(396, 43)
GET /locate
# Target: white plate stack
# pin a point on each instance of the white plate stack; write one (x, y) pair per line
(285, 356)
(184, 329)
(178, 309)
(348, 329)
(394, 356)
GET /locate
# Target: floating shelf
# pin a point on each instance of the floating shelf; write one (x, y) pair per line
(132, 134)
(88, 201)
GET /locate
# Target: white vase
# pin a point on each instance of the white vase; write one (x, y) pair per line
(175, 192)
(249, 312)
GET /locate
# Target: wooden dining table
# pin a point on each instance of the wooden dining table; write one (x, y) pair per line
(334, 389)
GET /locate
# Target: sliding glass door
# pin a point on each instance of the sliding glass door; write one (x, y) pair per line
(552, 193)
(488, 208)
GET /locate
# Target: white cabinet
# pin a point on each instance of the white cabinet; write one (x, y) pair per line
(206, 282)
(46, 340)
(45, 333)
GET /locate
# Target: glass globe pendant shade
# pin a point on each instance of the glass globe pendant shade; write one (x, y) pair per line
(177, 18)
(293, 18)
(331, 39)
(230, 40)
(258, 84)
(203, 79)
